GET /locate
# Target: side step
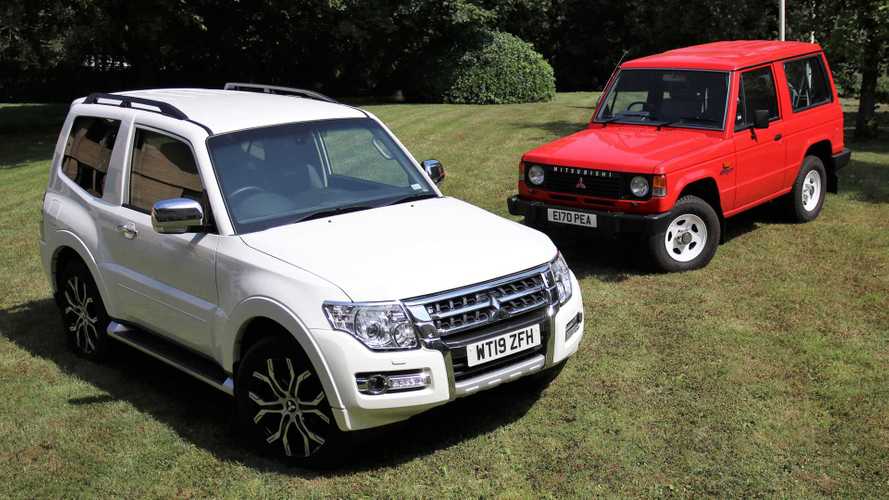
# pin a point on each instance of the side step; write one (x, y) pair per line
(173, 355)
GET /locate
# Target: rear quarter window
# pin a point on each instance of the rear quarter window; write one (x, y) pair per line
(88, 152)
(807, 83)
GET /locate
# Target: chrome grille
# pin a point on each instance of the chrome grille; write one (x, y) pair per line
(461, 310)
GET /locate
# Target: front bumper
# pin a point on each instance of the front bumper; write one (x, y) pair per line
(346, 357)
(608, 223)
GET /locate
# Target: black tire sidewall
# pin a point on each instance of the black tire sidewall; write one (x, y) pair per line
(686, 205)
(277, 347)
(800, 214)
(102, 344)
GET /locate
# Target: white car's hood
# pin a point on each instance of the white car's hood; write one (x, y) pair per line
(407, 250)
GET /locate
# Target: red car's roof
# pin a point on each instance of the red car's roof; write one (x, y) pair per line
(729, 55)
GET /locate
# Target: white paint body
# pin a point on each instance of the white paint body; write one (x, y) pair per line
(201, 290)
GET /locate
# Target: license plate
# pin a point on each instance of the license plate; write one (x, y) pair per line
(569, 217)
(503, 345)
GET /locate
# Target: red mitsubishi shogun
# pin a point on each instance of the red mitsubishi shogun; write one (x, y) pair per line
(683, 140)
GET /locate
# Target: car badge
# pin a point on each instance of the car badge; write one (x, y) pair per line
(499, 312)
(580, 184)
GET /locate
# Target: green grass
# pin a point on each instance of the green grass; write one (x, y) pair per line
(764, 374)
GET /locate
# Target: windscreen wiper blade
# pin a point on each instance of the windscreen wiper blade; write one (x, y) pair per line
(334, 211)
(413, 197)
(685, 119)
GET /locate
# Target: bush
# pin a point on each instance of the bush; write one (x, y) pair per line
(494, 68)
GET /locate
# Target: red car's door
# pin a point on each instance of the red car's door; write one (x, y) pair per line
(760, 152)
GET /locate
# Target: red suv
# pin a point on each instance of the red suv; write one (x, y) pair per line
(682, 140)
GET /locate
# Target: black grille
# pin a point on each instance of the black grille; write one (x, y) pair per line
(583, 181)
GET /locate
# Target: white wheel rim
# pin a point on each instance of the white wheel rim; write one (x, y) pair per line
(686, 237)
(811, 191)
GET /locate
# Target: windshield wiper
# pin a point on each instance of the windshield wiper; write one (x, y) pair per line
(685, 119)
(334, 211)
(413, 197)
(626, 114)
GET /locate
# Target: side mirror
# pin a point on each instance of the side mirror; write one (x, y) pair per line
(176, 216)
(761, 118)
(434, 170)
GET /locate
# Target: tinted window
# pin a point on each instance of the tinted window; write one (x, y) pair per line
(681, 98)
(163, 168)
(88, 152)
(807, 82)
(757, 92)
(284, 174)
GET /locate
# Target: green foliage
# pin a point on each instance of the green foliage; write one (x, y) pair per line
(496, 68)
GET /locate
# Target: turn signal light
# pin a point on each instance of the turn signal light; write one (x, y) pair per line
(659, 185)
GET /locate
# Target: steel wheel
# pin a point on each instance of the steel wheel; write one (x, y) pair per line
(811, 190)
(685, 238)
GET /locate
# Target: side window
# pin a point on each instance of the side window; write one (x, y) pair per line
(162, 168)
(358, 152)
(757, 92)
(88, 152)
(807, 82)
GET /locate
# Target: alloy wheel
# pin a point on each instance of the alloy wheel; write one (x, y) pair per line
(283, 413)
(80, 315)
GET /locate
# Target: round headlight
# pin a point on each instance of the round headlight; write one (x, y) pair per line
(639, 186)
(535, 175)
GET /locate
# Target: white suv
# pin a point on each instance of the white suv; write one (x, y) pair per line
(288, 250)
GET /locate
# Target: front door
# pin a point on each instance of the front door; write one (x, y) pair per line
(760, 153)
(163, 282)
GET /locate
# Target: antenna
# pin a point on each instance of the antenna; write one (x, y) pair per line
(608, 82)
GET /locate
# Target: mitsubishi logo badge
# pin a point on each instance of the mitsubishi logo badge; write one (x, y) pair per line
(498, 311)
(580, 184)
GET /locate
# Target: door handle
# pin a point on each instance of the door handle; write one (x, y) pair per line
(128, 230)
(778, 137)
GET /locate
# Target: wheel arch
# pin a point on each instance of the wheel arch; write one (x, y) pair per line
(261, 317)
(707, 189)
(823, 150)
(71, 248)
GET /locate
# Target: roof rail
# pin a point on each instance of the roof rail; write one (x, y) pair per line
(126, 101)
(274, 89)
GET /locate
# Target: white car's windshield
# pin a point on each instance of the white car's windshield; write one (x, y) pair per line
(665, 97)
(288, 173)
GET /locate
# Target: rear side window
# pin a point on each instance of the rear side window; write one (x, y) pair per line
(757, 92)
(163, 167)
(807, 82)
(88, 152)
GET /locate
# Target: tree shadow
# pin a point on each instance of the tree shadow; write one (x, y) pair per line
(28, 132)
(206, 417)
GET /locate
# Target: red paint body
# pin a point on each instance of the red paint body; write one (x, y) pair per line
(747, 167)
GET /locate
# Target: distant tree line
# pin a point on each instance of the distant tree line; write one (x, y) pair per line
(57, 49)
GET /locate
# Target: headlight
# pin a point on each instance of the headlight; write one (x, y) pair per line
(562, 275)
(378, 325)
(639, 186)
(535, 175)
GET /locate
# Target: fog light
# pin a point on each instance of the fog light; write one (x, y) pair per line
(381, 383)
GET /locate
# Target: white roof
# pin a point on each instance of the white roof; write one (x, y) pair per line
(229, 110)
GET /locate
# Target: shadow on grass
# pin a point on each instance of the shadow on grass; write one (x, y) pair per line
(205, 416)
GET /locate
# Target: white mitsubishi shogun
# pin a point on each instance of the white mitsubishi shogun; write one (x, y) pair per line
(288, 250)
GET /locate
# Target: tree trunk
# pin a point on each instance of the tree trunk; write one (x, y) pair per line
(866, 103)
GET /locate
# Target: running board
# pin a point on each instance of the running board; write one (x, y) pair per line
(178, 357)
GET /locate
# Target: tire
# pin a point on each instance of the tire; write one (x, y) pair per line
(83, 312)
(282, 407)
(809, 190)
(689, 238)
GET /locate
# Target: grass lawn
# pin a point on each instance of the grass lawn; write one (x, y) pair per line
(767, 373)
